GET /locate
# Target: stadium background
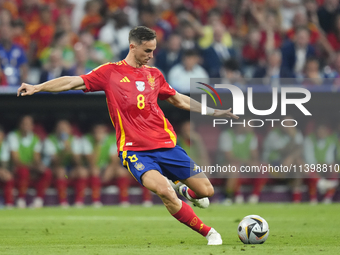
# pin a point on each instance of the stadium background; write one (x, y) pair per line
(52, 36)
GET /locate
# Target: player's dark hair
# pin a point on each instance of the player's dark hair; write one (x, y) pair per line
(2, 129)
(140, 34)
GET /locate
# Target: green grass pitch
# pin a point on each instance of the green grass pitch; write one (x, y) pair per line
(294, 229)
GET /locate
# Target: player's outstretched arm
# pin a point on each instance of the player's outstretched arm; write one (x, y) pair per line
(187, 103)
(64, 83)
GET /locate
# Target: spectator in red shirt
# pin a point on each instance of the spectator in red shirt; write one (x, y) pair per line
(271, 38)
(253, 53)
(64, 24)
(92, 20)
(20, 36)
(61, 7)
(170, 14)
(44, 34)
(228, 17)
(29, 13)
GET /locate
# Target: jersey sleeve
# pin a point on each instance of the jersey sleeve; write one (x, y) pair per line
(97, 79)
(166, 90)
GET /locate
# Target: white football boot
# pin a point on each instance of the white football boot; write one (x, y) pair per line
(201, 202)
(213, 237)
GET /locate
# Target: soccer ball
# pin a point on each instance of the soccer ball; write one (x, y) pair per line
(253, 229)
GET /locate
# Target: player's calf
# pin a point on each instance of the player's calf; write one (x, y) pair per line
(188, 217)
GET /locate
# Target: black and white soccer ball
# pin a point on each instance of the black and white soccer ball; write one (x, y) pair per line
(253, 229)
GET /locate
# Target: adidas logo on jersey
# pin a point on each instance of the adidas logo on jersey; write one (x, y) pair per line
(125, 79)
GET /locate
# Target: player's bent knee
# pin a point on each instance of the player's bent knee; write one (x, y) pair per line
(210, 191)
(166, 194)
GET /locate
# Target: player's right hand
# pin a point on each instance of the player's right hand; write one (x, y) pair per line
(25, 90)
(225, 113)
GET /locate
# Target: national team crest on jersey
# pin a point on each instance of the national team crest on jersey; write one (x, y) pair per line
(140, 85)
(151, 81)
(139, 166)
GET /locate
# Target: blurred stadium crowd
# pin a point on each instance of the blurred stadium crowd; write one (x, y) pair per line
(236, 40)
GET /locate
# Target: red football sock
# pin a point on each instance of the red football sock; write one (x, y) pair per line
(312, 182)
(123, 184)
(61, 185)
(297, 197)
(79, 186)
(8, 192)
(23, 178)
(188, 217)
(95, 184)
(258, 185)
(43, 183)
(192, 194)
(147, 196)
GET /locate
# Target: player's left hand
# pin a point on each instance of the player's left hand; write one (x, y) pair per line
(25, 90)
(225, 113)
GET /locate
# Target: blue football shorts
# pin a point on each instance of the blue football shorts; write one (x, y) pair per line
(173, 163)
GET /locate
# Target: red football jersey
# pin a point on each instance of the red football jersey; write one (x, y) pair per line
(131, 95)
